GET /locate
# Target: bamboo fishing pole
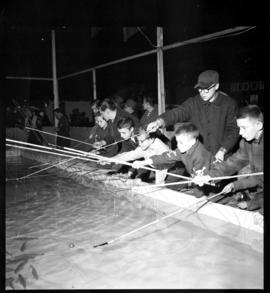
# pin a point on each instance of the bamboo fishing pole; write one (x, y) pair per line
(237, 176)
(113, 160)
(46, 147)
(154, 185)
(205, 201)
(51, 166)
(68, 138)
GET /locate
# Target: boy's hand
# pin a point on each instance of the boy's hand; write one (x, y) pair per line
(201, 179)
(104, 163)
(138, 164)
(98, 144)
(228, 188)
(155, 125)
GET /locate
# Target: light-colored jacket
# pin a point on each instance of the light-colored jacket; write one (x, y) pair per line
(156, 148)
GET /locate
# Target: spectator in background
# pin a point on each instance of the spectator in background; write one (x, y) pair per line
(150, 115)
(94, 105)
(34, 121)
(131, 107)
(84, 120)
(150, 110)
(75, 117)
(62, 128)
(10, 117)
(119, 101)
(44, 119)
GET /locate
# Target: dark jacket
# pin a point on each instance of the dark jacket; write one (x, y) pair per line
(63, 130)
(129, 145)
(248, 153)
(113, 124)
(149, 117)
(194, 159)
(216, 121)
(98, 134)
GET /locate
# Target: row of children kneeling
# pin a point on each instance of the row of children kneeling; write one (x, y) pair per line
(128, 141)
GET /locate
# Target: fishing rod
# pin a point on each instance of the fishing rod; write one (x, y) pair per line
(237, 176)
(44, 147)
(56, 135)
(99, 157)
(153, 185)
(112, 160)
(51, 166)
(204, 202)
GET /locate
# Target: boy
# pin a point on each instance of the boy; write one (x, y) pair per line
(148, 146)
(125, 127)
(113, 114)
(189, 150)
(100, 136)
(250, 123)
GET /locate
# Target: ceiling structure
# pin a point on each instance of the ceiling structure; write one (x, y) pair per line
(27, 43)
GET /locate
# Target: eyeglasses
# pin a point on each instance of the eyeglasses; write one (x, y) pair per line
(206, 90)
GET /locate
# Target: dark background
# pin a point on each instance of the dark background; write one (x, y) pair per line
(27, 46)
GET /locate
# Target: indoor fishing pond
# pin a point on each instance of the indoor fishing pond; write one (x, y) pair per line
(53, 224)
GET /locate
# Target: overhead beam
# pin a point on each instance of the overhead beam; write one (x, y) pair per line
(168, 47)
(29, 78)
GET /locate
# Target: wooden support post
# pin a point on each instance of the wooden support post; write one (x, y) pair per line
(94, 84)
(55, 81)
(160, 69)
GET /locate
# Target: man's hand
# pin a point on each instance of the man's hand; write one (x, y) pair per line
(219, 156)
(155, 125)
(228, 188)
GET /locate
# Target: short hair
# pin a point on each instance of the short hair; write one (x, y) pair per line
(187, 128)
(96, 103)
(250, 111)
(125, 123)
(98, 114)
(142, 131)
(107, 104)
(148, 98)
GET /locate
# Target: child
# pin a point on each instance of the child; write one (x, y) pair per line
(189, 150)
(100, 136)
(148, 146)
(251, 151)
(126, 128)
(113, 114)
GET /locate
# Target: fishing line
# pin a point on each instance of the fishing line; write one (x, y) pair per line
(205, 201)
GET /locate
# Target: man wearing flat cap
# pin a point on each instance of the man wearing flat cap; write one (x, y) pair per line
(212, 111)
